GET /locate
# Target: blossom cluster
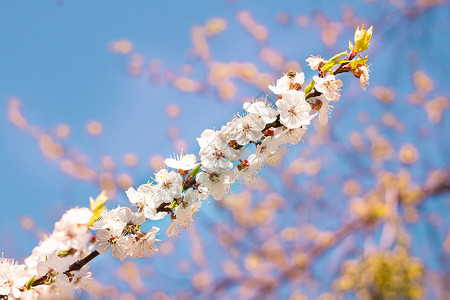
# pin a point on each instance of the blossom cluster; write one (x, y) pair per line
(119, 230)
(236, 151)
(179, 189)
(69, 241)
(223, 158)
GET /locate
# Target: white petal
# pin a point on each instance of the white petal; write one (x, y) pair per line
(102, 246)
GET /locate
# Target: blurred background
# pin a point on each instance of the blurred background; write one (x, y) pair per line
(94, 95)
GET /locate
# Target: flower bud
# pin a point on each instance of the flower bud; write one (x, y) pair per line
(232, 144)
(295, 86)
(269, 132)
(291, 74)
(183, 172)
(358, 72)
(317, 105)
(243, 165)
(362, 40)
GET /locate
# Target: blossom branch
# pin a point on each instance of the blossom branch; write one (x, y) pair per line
(82, 262)
(268, 126)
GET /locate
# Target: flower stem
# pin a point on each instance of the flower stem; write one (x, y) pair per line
(313, 93)
(82, 262)
(73, 267)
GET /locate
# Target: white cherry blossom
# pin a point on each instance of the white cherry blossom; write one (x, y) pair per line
(329, 87)
(70, 233)
(114, 239)
(290, 136)
(107, 219)
(12, 278)
(265, 149)
(364, 78)
(261, 109)
(169, 186)
(130, 219)
(73, 218)
(250, 169)
(80, 281)
(324, 110)
(69, 230)
(215, 183)
(215, 154)
(54, 267)
(315, 61)
(284, 83)
(219, 159)
(294, 110)
(184, 212)
(140, 195)
(182, 162)
(246, 129)
(146, 201)
(212, 139)
(144, 245)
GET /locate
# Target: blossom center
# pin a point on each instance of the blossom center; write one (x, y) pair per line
(166, 184)
(292, 110)
(214, 177)
(218, 154)
(328, 84)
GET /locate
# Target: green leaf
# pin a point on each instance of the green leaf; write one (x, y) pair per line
(343, 61)
(30, 282)
(328, 66)
(360, 61)
(309, 87)
(173, 204)
(97, 206)
(195, 171)
(192, 175)
(98, 203)
(337, 56)
(95, 217)
(63, 253)
(334, 61)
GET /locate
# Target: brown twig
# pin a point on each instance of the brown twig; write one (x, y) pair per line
(73, 267)
(82, 262)
(313, 93)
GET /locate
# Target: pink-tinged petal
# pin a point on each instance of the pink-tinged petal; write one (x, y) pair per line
(15, 292)
(5, 289)
(102, 246)
(42, 269)
(173, 230)
(62, 280)
(121, 247)
(103, 234)
(323, 118)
